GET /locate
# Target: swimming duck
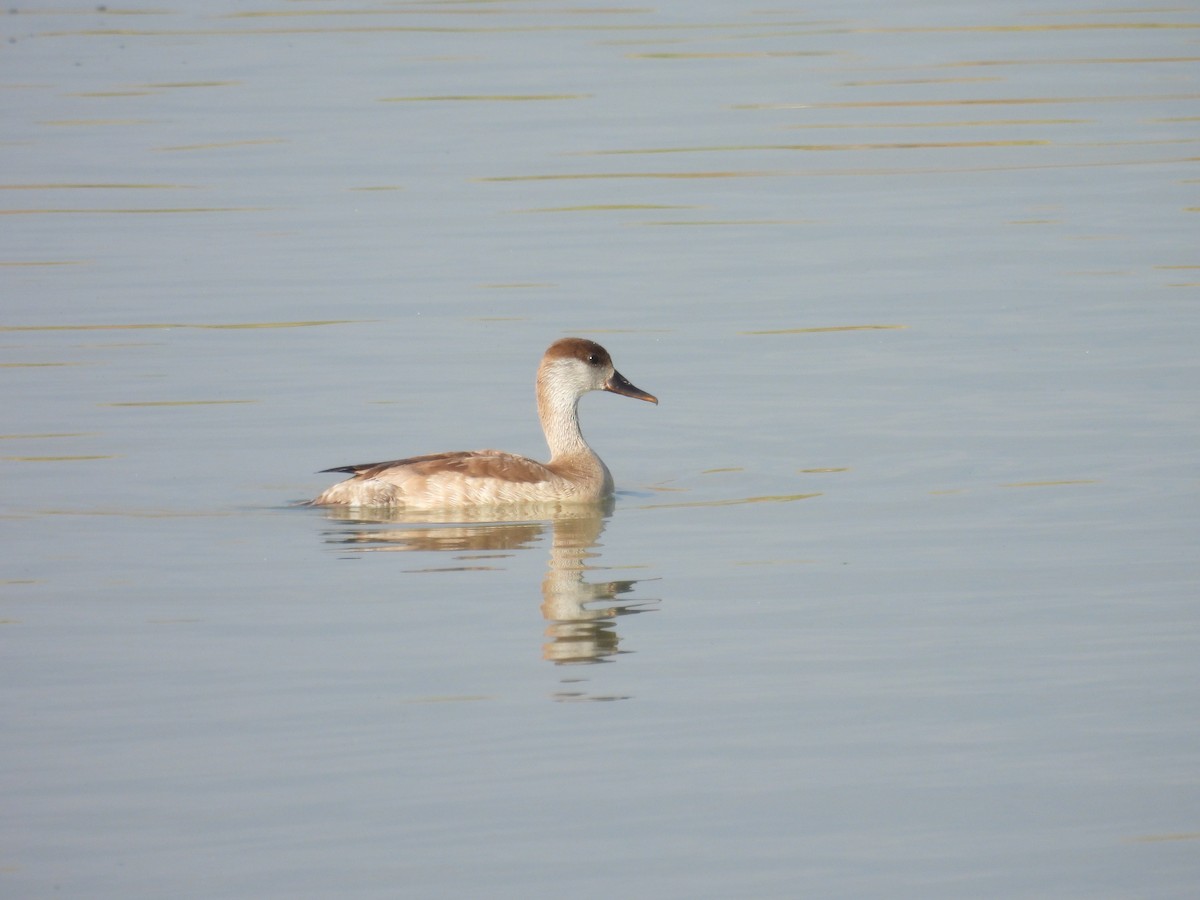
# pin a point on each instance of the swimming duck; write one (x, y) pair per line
(570, 368)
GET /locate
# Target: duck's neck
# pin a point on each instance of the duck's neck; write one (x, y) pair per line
(558, 410)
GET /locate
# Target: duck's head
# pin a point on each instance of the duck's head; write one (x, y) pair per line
(577, 365)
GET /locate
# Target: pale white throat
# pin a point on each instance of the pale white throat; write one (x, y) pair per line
(570, 368)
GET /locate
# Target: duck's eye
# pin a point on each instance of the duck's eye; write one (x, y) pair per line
(593, 359)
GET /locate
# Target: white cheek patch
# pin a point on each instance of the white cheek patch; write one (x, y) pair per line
(569, 378)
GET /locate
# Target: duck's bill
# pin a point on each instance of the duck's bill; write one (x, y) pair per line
(619, 384)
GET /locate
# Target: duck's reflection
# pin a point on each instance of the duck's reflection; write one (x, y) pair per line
(579, 630)
(581, 615)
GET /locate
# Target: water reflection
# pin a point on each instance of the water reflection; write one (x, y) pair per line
(581, 615)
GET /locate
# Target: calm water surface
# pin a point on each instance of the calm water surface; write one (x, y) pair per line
(898, 594)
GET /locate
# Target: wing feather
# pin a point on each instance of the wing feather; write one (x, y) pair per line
(469, 463)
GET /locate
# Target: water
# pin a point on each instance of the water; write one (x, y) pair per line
(898, 593)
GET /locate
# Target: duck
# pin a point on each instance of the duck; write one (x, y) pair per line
(570, 368)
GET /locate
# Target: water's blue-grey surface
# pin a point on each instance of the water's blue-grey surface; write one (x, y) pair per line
(898, 596)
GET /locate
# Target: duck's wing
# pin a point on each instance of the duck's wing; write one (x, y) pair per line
(369, 470)
(469, 463)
